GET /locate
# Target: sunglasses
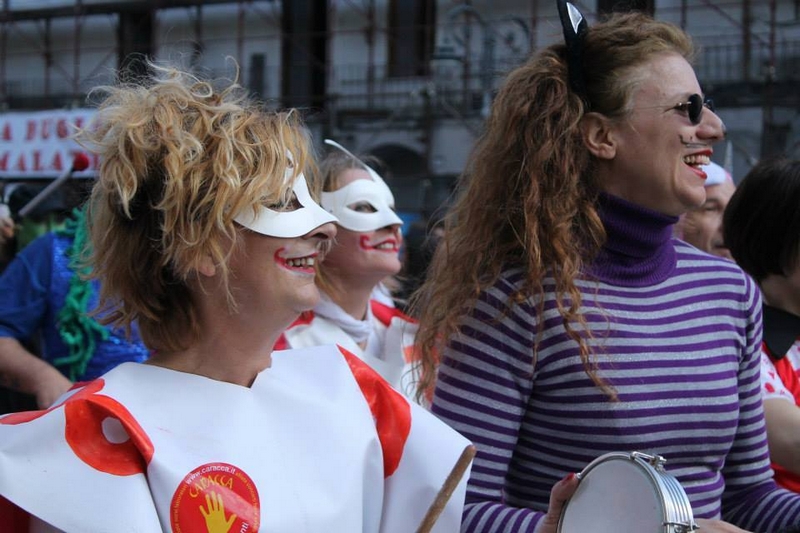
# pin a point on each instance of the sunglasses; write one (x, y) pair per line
(694, 107)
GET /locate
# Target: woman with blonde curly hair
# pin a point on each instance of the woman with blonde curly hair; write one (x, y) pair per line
(566, 321)
(204, 233)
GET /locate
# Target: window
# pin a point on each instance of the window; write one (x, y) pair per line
(411, 36)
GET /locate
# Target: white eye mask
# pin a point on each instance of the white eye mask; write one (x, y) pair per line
(287, 224)
(375, 192)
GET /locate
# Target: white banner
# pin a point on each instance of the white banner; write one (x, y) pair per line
(39, 144)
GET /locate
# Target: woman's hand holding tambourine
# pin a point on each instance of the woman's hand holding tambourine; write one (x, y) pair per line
(560, 493)
(565, 489)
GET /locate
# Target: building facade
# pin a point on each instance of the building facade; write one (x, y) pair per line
(408, 81)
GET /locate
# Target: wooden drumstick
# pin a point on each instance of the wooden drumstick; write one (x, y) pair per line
(447, 489)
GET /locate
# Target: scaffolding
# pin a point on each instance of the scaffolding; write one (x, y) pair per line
(357, 65)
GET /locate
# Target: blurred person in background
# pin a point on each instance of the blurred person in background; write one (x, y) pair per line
(702, 226)
(48, 336)
(50, 212)
(421, 240)
(762, 230)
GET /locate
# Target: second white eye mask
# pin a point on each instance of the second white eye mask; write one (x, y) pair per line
(375, 192)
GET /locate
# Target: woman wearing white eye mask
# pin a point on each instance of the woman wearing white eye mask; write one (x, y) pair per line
(204, 232)
(355, 308)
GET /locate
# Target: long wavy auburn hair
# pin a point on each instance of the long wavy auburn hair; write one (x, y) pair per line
(528, 196)
(180, 158)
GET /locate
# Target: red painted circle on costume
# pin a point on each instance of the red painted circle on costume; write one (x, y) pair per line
(215, 498)
(85, 411)
(84, 434)
(391, 412)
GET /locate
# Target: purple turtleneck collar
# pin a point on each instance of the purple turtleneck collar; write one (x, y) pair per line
(638, 251)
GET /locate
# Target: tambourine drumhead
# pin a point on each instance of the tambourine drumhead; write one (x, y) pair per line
(623, 493)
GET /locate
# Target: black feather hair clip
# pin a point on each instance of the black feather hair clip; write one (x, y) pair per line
(575, 28)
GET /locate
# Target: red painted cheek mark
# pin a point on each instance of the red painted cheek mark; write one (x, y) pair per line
(365, 245)
(278, 259)
(364, 242)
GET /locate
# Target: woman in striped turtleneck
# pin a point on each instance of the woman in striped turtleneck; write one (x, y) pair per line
(568, 321)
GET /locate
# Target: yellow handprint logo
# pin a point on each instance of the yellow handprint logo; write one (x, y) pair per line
(214, 514)
(211, 487)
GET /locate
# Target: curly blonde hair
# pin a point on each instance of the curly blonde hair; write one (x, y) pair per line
(528, 196)
(180, 158)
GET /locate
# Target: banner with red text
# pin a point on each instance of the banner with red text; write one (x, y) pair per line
(39, 144)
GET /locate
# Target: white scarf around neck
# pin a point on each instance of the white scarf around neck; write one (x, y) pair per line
(358, 330)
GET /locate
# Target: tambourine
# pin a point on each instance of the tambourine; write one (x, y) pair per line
(627, 493)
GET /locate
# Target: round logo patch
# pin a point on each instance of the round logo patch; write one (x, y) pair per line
(215, 498)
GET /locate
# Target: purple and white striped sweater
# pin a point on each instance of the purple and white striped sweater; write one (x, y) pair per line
(677, 334)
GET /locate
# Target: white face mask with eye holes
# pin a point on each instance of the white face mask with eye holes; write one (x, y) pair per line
(301, 215)
(343, 203)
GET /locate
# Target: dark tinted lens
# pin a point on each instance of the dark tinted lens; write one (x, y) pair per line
(709, 103)
(695, 108)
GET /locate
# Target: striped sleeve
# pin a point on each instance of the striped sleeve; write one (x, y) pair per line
(752, 499)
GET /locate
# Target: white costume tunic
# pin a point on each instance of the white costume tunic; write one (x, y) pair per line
(318, 443)
(389, 335)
